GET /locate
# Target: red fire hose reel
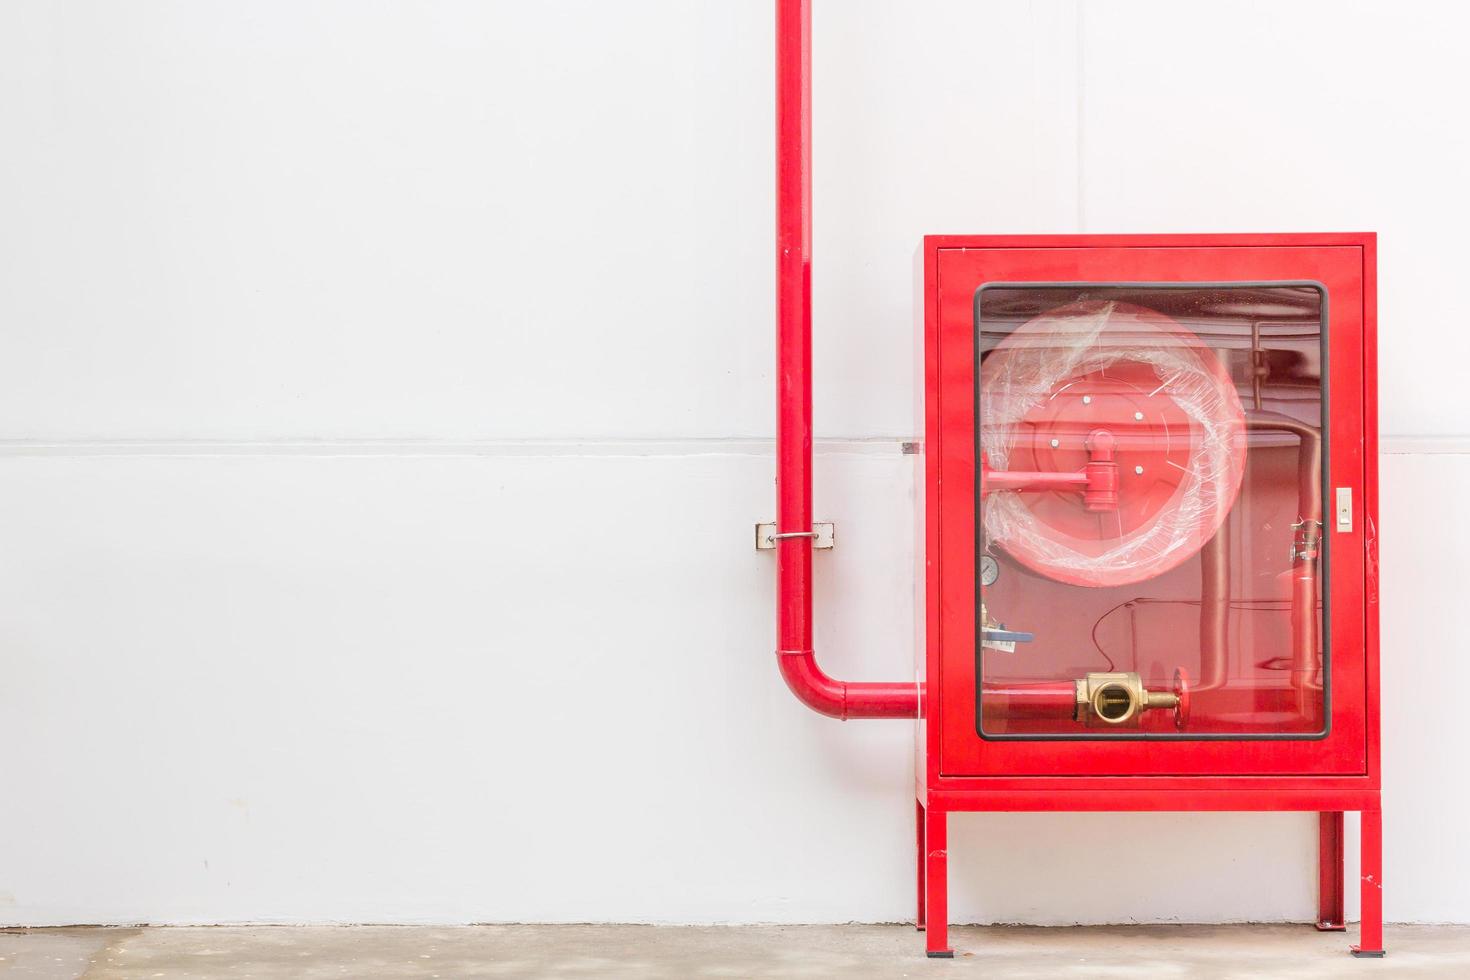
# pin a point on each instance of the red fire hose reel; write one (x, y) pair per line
(1119, 438)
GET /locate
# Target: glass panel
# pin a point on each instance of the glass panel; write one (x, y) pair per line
(1150, 497)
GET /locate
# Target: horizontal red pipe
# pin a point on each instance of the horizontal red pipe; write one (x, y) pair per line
(1038, 700)
(794, 394)
(994, 480)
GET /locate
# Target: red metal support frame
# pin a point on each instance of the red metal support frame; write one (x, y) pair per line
(919, 849)
(1370, 871)
(1330, 915)
(794, 648)
(936, 880)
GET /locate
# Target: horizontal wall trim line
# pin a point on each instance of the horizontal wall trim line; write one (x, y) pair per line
(1424, 445)
(881, 446)
(733, 446)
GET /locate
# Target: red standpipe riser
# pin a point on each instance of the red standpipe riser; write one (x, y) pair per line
(818, 691)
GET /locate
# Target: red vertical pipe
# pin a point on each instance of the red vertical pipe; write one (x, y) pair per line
(794, 393)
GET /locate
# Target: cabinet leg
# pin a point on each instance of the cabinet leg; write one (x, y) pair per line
(1330, 917)
(936, 884)
(919, 860)
(1370, 939)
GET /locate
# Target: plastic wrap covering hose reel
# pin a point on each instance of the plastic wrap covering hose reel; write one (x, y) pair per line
(1061, 382)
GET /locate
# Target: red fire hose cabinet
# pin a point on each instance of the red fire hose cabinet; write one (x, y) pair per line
(1149, 536)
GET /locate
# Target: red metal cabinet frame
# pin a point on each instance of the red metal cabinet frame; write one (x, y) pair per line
(961, 772)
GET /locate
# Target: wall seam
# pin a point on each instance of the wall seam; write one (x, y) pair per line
(713, 446)
(1079, 35)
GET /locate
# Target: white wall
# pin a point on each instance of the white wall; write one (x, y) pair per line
(384, 389)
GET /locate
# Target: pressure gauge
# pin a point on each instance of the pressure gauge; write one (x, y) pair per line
(989, 570)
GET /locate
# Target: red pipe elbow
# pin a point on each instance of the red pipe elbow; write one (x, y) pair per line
(840, 699)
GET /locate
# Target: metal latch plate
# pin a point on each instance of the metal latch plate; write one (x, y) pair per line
(1344, 508)
(825, 539)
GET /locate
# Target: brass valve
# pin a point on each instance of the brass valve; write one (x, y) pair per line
(1117, 698)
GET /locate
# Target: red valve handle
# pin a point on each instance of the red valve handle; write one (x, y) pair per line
(1097, 480)
(1102, 473)
(1181, 690)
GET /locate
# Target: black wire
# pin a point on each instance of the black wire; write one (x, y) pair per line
(1254, 605)
(1111, 665)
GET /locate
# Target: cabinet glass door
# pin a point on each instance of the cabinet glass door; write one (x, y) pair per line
(1150, 560)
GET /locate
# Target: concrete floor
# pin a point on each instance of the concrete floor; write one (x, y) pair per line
(850, 952)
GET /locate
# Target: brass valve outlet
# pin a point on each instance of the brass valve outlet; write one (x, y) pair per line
(1118, 698)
